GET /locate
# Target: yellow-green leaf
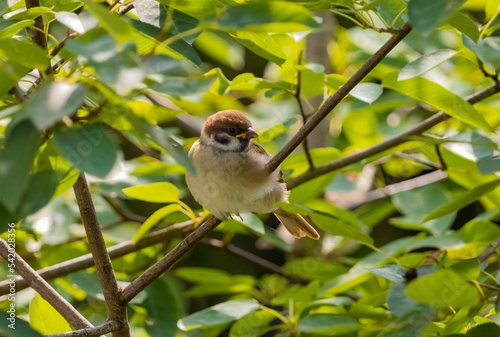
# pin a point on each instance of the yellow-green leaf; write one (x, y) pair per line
(45, 319)
(162, 192)
(154, 219)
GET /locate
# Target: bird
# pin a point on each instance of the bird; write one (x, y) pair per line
(231, 176)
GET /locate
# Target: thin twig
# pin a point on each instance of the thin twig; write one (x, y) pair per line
(43, 288)
(153, 272)
(125, 214)
(355, 200)
(86, 261)
(125, 9)
(331, 102)
(418, 160)
(102, 260)
(298, 92)
(244, 254)
(99, 330)
(388, 143)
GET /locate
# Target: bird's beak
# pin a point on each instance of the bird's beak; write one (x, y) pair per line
(249, 134)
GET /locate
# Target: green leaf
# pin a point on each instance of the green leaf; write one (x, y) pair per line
(412, 323)
(487, 49)
(121, 30)
(163, 308)
(397, 302)
(367, 92)
(16, 161)
(464, 24)
(425, 63)
(222, 50)
(10, 28)
(182, 86)
(52, 101)
(251, 221)
(485, 329)
(162, 192)
(221, 313)
(252, 325)
(155, 218)
(266, 16)
(14, 326)
(42, 186)
(24, 53)
(393, 272)
(262, 44)
(45, 319)
(442, 289)
(201, 274)
(433, 94)
(89, 148)
(464, 199)
(328, 325)
(427, 15)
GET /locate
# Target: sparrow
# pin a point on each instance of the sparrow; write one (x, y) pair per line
(231, 176)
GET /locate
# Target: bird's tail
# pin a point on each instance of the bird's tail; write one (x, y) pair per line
(296, 224)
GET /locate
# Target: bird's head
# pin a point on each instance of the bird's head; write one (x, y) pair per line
(228, 130)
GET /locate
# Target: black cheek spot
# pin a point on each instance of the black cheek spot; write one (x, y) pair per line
(221, 138)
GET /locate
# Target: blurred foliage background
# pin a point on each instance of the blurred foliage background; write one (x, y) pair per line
(118, 90)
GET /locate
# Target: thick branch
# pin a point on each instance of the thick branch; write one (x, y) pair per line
(99, 330)
(102, 260)
(332, 101)
(155, 271)
(37, 34)
(388, 143)
(86, 261)
(44, 289)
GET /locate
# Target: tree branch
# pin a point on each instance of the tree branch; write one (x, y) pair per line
(155, 271)
(355, 199)
(102, 261)
(388, 143)
(99, 330)
(331, 102)
(44, 289)
(86, 261)
(37, 33)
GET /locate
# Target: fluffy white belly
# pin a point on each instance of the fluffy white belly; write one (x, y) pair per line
(227, 186)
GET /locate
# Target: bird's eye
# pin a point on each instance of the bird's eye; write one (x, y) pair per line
(232, 130)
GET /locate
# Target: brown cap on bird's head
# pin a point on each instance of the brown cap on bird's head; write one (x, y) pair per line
(232, 122)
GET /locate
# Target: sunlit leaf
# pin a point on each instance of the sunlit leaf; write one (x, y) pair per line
(155, 218)
(45, 319)
(162, 192)
(442, 289)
